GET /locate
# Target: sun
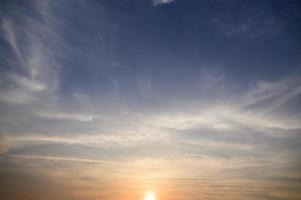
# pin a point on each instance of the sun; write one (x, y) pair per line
(150, 196)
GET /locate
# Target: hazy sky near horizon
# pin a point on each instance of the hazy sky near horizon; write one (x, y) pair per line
(190, 99)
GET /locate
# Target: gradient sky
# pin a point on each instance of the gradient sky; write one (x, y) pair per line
(190, 99)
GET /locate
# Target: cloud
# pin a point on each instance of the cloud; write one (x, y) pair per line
(56, 158)
(268, 96)
(134, 122)
(237, 117)
(28, 84)
(32, 52)
(161, 2)
(66, 116)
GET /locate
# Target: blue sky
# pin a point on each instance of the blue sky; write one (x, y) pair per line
(108, 99)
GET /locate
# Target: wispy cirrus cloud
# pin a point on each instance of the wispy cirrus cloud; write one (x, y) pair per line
(219, 117)
(221, 130)
(160, 115)
(66, 116)
(29, 49)
(268, 96)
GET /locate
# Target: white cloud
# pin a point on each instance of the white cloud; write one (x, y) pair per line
(31, 51)
(135, 128)
(28, 84)
(66, 116)
(268, 96)
(10, 35)
(160, 2)
(55, 158)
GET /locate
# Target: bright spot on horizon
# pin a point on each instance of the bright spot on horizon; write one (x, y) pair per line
(150, 196)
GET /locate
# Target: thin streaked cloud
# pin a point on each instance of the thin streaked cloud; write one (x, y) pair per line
(109, 100)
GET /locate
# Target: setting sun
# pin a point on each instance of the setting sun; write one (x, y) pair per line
(150, 196)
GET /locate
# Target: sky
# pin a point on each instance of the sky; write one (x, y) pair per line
(187, 99)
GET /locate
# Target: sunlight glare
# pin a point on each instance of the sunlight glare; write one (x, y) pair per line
(150, 196)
